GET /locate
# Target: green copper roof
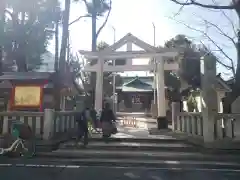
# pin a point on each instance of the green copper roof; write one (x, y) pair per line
(134, 89)
(144, 79)
(137, 84)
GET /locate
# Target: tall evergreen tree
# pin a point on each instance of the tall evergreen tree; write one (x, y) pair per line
(27, 31)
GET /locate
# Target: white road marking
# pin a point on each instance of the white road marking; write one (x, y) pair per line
(120, 167)
(172, 162)
(156, 178)
(5, 165)
(129, 143)
(131, 175)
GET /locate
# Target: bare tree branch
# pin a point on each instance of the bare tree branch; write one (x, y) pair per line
(214, 43)
(227, 17)
(231, 67)
(106, 19)
(231, 22)
(221, 32)
(80, 17)
(210, 6)
(179, 11)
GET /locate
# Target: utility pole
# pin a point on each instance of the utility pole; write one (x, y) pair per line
(114, 77)
(154, 61)
(114, 34)
(56, 63)
(154, 34)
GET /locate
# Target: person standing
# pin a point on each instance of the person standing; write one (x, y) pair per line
(107, 118)
(82, 121)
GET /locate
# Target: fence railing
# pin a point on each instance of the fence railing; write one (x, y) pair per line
(64, 122)
(33, 119)
(45, 125)
(190, 122)
(227, 126)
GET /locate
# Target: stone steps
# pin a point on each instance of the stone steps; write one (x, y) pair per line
(146, 159)
(136, 146)
(87, 153)
(132, 152)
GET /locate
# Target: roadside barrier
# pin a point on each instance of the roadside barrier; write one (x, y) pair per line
(129, 122)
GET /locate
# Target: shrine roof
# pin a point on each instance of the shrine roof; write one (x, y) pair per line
(137, 89)
(222, 85)
(24, 75)
(145, 84)
(7, 77)
(137, 84)
(145, 80)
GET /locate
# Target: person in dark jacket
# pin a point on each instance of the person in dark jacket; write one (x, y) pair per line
(82, 122)
(106, 119)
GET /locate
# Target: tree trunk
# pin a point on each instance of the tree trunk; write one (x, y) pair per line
(94, 48)
(94, 27)
(62, 59)
(237, 77)
(21, 59)
(56, 63)
(2, 23)
(21, 49)
(63, 50)
(94, 37)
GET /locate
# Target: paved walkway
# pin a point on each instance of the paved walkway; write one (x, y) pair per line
(128, 132)
(138, 121)
(74, 172)
(131, 132)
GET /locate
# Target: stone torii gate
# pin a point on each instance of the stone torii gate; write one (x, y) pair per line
(164, 61)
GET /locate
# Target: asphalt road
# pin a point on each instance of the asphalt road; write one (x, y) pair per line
(112, 173)
(47, 169)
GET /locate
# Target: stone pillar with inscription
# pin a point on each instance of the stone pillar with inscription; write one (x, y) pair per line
(209, 97)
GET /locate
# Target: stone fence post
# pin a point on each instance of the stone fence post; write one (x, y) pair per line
(209, 97)
(48, 125)
(175, 113)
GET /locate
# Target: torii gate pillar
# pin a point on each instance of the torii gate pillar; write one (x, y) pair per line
(161, 106)
(99, 86)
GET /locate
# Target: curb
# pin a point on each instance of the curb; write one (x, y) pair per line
(136, 148)
(144, 156)
(149, 164)
(137, 140)
(216, 146)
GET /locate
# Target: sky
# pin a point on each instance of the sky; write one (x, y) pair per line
(137, 16)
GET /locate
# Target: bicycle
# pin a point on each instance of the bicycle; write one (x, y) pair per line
(92, 128)
(19, 143)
